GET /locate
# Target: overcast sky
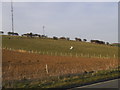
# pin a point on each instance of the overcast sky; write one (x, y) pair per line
(87, 20)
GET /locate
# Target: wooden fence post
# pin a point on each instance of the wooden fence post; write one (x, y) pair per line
(56, 53)
(94, 56)
(61, 53)
(39, 52)
(114, 56)
(107, 55)
(76, 55)
(88, 55)
(65, 54)
(28, 51)
(100, 55)
(81, 54)
(47, 52)
(46, 69)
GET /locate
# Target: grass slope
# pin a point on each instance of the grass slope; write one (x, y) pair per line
(58, 46)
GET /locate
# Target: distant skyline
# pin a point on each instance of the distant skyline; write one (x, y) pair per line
(88, 20)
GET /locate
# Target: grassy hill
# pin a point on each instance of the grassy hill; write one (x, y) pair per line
(24, 70)
(58, 46)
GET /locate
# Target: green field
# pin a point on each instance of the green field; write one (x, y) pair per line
(59, 46)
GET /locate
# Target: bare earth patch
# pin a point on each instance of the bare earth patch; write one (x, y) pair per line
(18, 65)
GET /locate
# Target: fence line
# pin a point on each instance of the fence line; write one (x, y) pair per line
(64, 54)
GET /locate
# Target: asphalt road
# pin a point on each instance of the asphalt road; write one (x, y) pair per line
(107, 84)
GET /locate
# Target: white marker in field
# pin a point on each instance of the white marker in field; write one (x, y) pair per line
(46, 68)
(71, 47)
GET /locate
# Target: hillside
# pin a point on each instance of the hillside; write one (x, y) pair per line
(59, 46)
(51, 69)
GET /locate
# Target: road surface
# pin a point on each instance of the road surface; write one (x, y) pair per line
(107, 84)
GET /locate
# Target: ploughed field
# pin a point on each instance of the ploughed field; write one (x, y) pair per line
(23, 65)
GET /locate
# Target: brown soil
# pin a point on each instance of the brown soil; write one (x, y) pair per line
(19, 65)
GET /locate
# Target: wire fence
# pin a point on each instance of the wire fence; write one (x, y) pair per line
(29, 71)
(77, 55)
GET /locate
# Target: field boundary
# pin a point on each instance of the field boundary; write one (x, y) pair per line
(62, 54)
(68, 81)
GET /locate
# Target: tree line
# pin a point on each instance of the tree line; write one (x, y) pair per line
(54, 37)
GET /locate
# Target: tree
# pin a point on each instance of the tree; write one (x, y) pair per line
(78, 39)
(15, 34)
(55, 38)
(107, 43)
(62, 38)
(68, 38)
(39, 35)
(85, 40)
(10, 33)
(1, 32)
(31, 34)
